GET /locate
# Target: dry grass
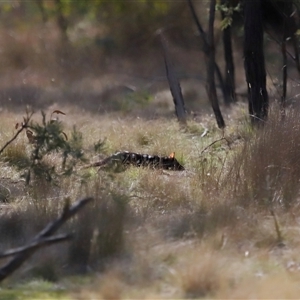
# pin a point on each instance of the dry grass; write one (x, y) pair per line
(205, 232)
(267, 170)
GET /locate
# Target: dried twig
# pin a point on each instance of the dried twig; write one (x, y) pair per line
(206, 47)
(50, 229)
(37, 244)
(214, 142)
(23, 126)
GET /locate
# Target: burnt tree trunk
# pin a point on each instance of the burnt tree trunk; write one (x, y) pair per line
(229, 64)
(289, 30)
(290, 27)
(205, 48)
(174, 83)
(284, 71)
(210, 67)
(254, 61)
(61, 20)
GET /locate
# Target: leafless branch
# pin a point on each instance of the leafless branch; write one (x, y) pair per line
(206, 46)
(214, 142)
(37, 244)
(284, 76)
(23, 126)
(51, 228)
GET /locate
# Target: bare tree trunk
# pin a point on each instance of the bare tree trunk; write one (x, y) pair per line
(293, 26)
(296, 51)
(210, 67)
(61, 21)
(229, 64)
(206, 48)
(289, 29)
(284, 73)
(174, 84)
(254, 61)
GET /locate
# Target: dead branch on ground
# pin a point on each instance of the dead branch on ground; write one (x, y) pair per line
(51, 228)
(37, 244)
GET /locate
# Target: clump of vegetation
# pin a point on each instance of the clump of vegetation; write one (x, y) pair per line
(225, 227)
(203, 278)
(266, 171)
(47, 140)
(98, 231)
(51, 155)
(145, 225)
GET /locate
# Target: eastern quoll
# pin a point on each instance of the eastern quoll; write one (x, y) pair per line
(144, 160)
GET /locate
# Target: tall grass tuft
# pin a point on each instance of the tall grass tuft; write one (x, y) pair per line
(98, 232)
(266, 172)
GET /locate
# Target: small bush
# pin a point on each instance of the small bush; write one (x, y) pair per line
(267, 170)
(98, 232)
(202, 277)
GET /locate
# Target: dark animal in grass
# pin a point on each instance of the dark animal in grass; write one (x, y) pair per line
(126, 158)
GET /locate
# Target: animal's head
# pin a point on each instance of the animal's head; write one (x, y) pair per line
(171, 163)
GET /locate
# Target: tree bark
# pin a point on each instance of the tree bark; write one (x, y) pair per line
(289, 29)
(174, 84)
(61, 20)
(229, 63)
(210, 67)
(284, 74)
(254, 61)
(206, 48)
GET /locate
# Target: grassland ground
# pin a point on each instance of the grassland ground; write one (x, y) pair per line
(226, 227)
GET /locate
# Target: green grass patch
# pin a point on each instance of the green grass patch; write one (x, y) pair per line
(36, 290)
